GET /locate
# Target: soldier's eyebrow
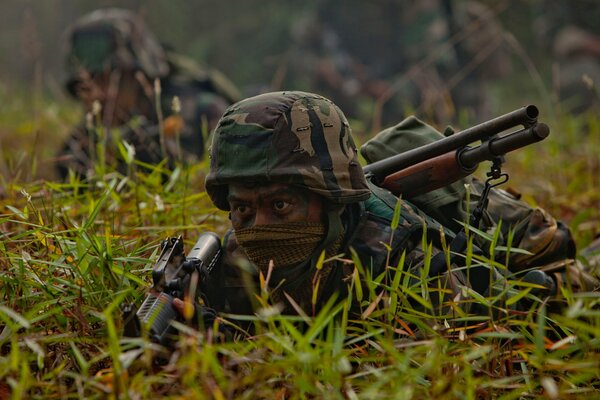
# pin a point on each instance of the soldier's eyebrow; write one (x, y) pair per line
(233, 198)
(282, 191)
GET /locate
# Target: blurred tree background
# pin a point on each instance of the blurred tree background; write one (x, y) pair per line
(448, 61)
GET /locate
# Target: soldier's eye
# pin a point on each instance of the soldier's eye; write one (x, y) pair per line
(242, 209)
(280, 205)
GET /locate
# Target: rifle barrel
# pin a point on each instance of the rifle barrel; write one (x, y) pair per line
(470, 157)
(526, 116)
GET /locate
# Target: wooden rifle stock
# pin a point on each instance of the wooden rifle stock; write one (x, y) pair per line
(425, 176)
(447, 160)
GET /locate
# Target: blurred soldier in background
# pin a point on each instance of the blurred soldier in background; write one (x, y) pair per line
(432, 57)
(578, 55)
(570, 32)
(134, 90)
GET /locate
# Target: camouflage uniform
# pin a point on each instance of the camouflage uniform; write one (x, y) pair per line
(304, 140)
(549, 242)
(117, 41)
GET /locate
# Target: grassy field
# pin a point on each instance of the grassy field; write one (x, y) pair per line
(72, 253)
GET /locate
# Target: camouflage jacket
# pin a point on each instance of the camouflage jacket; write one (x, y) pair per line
(368, 232)
(203, 95)
(185, 133)
(533, 229)
(234, 286)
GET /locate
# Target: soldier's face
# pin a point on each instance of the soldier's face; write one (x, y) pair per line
(276, 203)
(116, 91)
(91, 88)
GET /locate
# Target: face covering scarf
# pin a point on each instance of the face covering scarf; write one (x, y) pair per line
(291, 247)
(286, 244)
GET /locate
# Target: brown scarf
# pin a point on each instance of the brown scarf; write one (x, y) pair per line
(288, 245)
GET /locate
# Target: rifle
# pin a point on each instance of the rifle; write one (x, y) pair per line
(447, 160)
(174, 276)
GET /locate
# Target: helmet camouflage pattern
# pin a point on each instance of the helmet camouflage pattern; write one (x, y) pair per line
(296, 138)
(109, 39)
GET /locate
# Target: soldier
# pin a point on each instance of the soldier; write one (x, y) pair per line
(578, 54)
(119, 71)
(286, 168)
(431, 57)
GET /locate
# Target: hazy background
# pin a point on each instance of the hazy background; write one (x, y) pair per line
(247, 39)
(379, 60)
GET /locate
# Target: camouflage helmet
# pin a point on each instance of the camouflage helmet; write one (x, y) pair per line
(110, 39)
(296, 138)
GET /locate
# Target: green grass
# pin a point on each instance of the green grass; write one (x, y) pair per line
(72, 253)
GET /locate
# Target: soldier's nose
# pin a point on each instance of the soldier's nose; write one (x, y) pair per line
(261, 218)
